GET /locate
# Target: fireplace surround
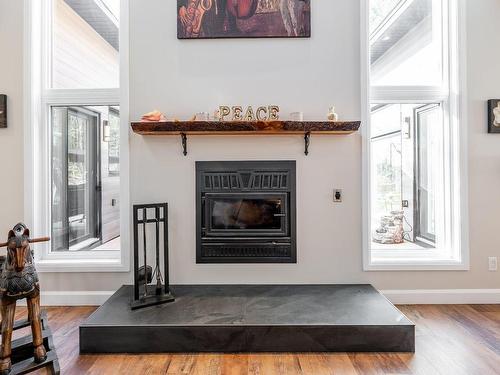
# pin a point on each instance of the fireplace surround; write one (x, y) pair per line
(246, 212)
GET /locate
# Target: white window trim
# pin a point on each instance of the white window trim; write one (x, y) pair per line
(456, 102)
(36, 174)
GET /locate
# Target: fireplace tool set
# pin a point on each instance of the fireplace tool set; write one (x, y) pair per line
(151, 286)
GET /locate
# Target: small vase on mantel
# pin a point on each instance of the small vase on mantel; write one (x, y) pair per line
(332, 115)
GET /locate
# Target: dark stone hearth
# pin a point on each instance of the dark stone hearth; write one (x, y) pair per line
(287, 318)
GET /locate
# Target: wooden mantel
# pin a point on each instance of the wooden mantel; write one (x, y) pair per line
(305, 128)
(244, 127)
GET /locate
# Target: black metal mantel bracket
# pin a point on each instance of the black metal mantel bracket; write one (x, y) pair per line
(307, 142)
(184, 144)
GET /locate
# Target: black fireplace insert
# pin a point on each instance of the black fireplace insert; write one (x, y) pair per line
(245, 212)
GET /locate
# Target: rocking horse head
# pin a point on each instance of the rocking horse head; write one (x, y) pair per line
(18, 275)
(18, 248)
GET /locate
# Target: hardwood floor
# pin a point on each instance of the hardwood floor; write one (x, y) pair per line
(450, 339)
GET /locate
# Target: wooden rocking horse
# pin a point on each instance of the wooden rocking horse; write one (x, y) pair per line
(18, 279)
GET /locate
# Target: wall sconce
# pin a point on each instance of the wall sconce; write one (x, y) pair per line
(106, 131)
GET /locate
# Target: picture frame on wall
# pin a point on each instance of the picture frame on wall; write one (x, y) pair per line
(3, 111)
(214, 19)
(494, 116)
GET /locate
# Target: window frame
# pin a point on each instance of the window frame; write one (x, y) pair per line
(93, 133)
(38, 101)
(116, 113)
(452, 97)
(420, 236)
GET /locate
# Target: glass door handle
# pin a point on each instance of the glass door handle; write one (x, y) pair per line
(279, 215)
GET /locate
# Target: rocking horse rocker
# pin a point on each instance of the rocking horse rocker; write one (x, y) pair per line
(18, 280)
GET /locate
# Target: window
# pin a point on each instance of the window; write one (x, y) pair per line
(406, 42)
(76, 181)
(407, 173)
(84, 44)
(85, 180)
(413, 141)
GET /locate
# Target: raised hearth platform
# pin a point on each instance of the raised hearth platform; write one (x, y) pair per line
(260, 318)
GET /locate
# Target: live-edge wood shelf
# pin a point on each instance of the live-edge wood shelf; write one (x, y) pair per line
(244, 127)
(305, 128)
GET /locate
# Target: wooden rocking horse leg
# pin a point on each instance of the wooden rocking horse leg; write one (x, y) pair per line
(8, 311)
(36, 328)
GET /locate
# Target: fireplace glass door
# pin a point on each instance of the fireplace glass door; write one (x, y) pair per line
(245, 214)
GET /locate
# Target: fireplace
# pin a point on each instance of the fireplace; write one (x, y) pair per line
(245, 212)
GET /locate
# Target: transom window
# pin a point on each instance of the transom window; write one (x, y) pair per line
(84, 40)
(413, 141)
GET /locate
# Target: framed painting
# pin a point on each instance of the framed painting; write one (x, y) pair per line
(3, 111)
(210, 19)
(494, 116)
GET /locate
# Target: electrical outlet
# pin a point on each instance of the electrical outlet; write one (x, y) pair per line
(337, 195)
(493, 263)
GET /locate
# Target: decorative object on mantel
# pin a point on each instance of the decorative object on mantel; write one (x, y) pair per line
(216, 115)
(3, 111)
(332, 115)
(209, 19)
(297, 116)
(154, 116)
(19, 280)
(305, 128)
(494, 116)
(236, 113)
(202, 116)
(144, 293)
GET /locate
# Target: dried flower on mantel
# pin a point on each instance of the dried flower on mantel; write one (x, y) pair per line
(154, 116)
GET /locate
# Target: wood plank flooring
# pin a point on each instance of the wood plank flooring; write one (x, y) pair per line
(450, 339)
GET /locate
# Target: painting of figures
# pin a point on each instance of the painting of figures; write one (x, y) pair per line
(494, 116)
(206, 19)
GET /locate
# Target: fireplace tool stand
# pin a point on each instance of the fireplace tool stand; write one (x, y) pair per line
(146, 292)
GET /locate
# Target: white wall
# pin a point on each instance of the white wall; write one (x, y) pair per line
(182, 77)
(484, 149)
(11, 139)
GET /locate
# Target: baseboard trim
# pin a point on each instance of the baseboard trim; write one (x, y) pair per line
(443, 296)
(71, 298)
(400, 297)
